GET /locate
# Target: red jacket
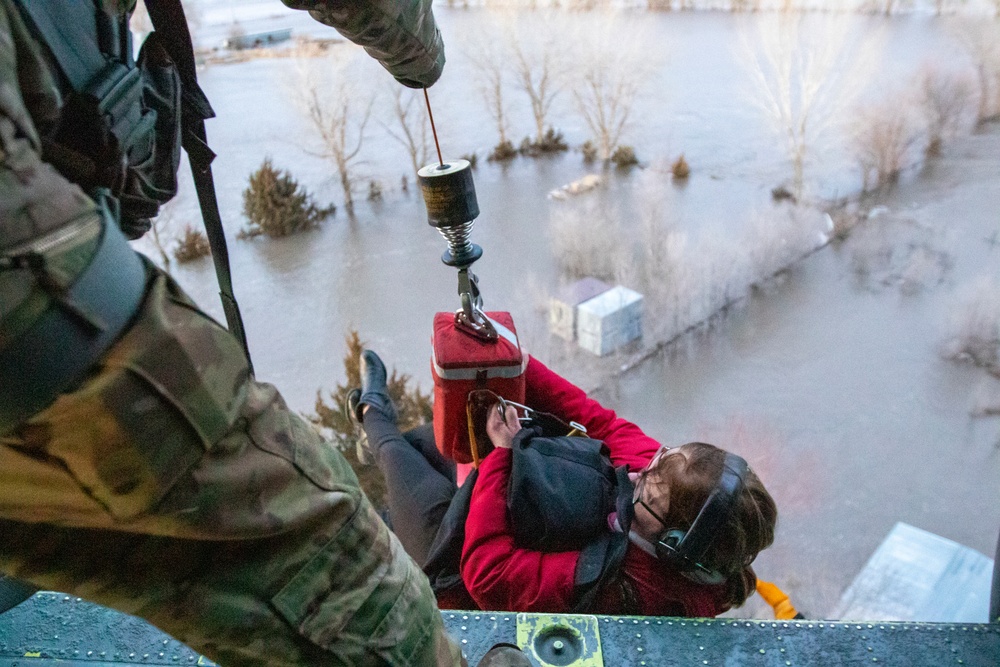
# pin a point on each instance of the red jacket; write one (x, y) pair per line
(500, 576)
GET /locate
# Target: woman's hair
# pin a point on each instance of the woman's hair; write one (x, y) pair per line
(676, 489)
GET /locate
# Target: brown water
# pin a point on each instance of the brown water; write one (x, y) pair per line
(831, 383)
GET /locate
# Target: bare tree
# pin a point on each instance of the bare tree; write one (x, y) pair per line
(804, 76)
(538, 71)
(981, 39)
(944, 99)
(883, 137)
(338, 111)
(489, 59)
(413, 126)
(612, 64)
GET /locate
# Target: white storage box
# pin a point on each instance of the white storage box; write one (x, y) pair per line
(609, 320)
(562, 307)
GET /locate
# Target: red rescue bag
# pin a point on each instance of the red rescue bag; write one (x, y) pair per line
(461, 363)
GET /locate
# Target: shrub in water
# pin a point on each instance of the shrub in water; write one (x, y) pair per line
(374, 191)
(624, 156)
(413, 407)
(589, 151)
(680, 168)
(275, 204)
(191, 245)
(503, 152)
(472, 159)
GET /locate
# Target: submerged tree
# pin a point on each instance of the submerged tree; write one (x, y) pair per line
(944, 97)
(489, 61)
(276, 205)
(339, 110)
(538, 70)
(608, 79)
(412, 123)
(981, 39)
(804, 77)
(412, 406)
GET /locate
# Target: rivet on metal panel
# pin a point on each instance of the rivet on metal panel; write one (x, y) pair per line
(645, 622)
(465, 618)
(464, 628)
(478, 617)
(781, 650)
(493, 618)
(954, 650)
(465, 641)
(638, 649)
(638, 635)
(788, 662)
(762, 651)
(821, 625)
(701, 648)
(870, 649)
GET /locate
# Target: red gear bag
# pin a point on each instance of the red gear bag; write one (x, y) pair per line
(461, 363)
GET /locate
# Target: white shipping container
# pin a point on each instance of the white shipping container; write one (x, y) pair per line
(562, 307)
(609, 320)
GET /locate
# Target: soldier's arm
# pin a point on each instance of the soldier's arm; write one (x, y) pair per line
(402, 35)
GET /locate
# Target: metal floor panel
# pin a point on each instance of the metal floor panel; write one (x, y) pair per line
(640, 641)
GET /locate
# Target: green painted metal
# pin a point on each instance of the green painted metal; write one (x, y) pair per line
(564, 641)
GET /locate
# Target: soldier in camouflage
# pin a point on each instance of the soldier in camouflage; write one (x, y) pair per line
(166, 482)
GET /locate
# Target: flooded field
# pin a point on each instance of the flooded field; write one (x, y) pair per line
(830, 379)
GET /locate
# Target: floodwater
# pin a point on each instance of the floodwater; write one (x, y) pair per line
(830, 380)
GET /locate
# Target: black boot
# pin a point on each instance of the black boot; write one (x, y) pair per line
(374, 392)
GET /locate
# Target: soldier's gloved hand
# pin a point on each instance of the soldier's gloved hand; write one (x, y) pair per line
(401, 34)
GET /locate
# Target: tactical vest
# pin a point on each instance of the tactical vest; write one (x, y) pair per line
(119, 130)
(118, 136)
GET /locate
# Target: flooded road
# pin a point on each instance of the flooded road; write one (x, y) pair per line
(830, 380)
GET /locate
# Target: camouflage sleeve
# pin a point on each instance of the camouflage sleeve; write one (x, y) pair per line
(34, 197)
(402, 35)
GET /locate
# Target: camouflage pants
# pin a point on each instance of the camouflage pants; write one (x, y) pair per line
(172, 486)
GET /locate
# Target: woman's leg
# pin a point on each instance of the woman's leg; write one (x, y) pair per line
(420, 482)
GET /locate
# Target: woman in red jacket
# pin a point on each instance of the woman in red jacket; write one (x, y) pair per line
(672, 486)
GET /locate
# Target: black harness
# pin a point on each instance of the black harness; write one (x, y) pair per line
(119, 137)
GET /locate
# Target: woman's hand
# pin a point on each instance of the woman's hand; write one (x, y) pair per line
(502, 430)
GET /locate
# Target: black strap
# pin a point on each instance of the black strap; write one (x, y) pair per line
(168, 19)
(69, 29)
(13, 592)
(77, 328)
(601, 560)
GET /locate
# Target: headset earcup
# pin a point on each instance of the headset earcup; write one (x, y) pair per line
(668, 545)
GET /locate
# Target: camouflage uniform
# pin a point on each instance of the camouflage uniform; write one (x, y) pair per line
(169, 484)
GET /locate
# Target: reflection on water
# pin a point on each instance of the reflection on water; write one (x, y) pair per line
(833, 386)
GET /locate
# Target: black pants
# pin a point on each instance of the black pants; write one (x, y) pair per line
(420, 482)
